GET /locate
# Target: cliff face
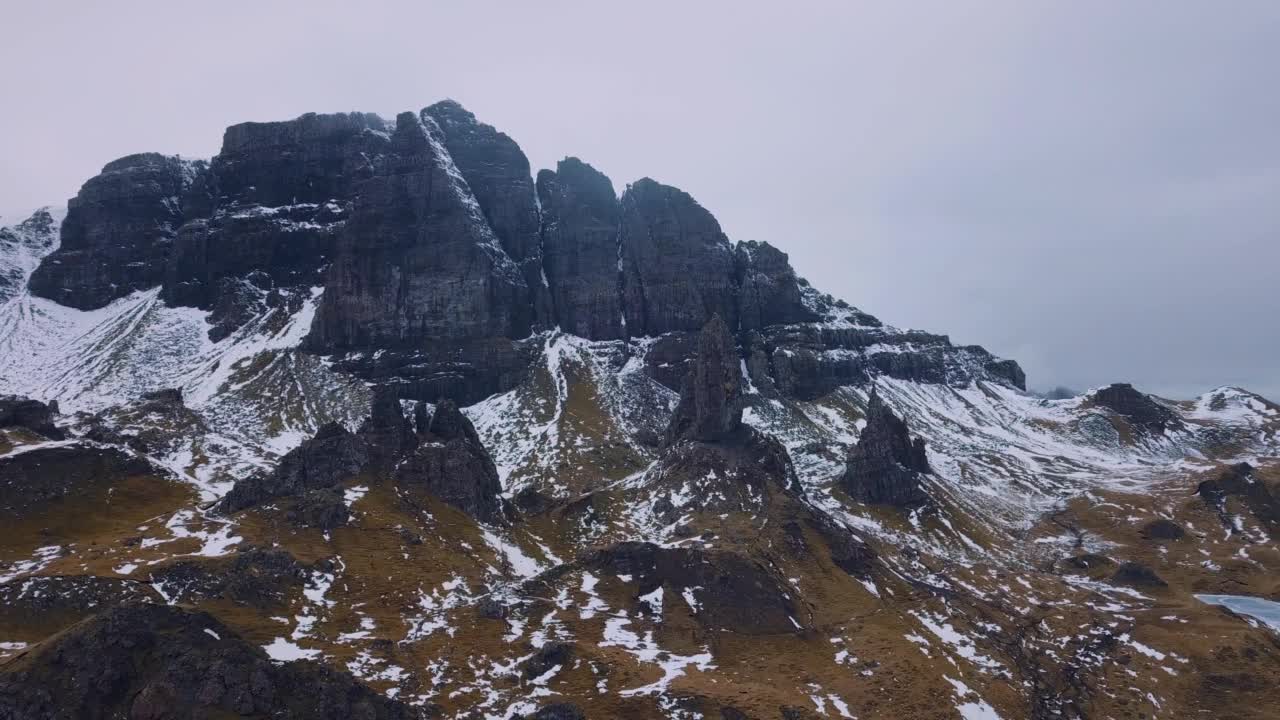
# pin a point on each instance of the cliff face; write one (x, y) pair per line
(441, 258)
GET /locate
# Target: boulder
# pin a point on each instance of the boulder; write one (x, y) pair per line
(886, 465)
(1162, 529)
(1137, 575)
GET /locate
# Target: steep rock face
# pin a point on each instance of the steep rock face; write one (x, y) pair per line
(769, 290)
(23, 412)
(451, 463)
(710, 408)
(22, 246)
(1138, 408)
(497, 172)
(678, 266)
(886, 465)
(386, 432)
(333, 455)
(118, 232)
(580, 225)
(417, 262)
(148, 662)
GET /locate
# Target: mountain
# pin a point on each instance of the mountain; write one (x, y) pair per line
(368, 405)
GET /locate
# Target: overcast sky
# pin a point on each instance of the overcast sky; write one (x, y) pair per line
(1091, 188)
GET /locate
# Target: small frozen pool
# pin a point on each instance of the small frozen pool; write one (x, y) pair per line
(1268, 611)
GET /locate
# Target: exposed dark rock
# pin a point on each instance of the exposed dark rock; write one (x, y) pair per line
(1137, 575)
(1089, 561)
(731, 477)
(769, 291)
(31, 479)
(253, 576)
(23, 412)
(1162, 529)
(1238, 481)
(417, 262)
(497, 172)
(323, 509)
(678, 266)
(1142, 412)
(560, 711)
(531, 501)
(886, 465)
(451, 463)
(734, 593)
(61, 600)
(149, 662)
(118, 232)
(157, 423)
(710, 408)
(468, 371)
(333, 455)
(847, 551)
(580, 226)
(548, 657)
(386, 432)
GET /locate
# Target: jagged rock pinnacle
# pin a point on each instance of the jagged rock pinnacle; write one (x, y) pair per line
(886, 465)
(710, 408)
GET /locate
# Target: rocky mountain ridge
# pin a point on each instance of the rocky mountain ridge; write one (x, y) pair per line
(390, 415)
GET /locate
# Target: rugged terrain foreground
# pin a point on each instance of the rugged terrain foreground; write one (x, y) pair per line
(361, 419)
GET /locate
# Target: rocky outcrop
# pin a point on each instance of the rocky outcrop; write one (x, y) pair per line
(886, 465)
(733, 593)
(23, 412)
(1140, 410)
(417, 262)
(710, 408)
(22, 245)
(497, 173)
(451, 463)
(118, 232)
(254, 577)
(30, 480)
(1135, 574)
(332, 456)
(769, 291)
(581, 254)
(1162, 529)
(677, 264)
(387, 432)
(60, 600)
(1239, 484)
(148, 662)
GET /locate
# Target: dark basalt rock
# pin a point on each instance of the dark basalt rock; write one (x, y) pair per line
(1139, 409)
(548, 657)
(323, 509)
(30, 480)
(677, 265)
(1238, 481)
(33, 415)
(253, 576)
(62, 600)
(1162, 529)
(417, 262)
(580, 225)
(769, 290)
(497, 172)
(1138, 575)
(886, 465)
(327, 459)
(149, 662)
(118, 232)
(387, 432)
(451, 463)
(734, 593)
(156, 423)
(710, 408)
